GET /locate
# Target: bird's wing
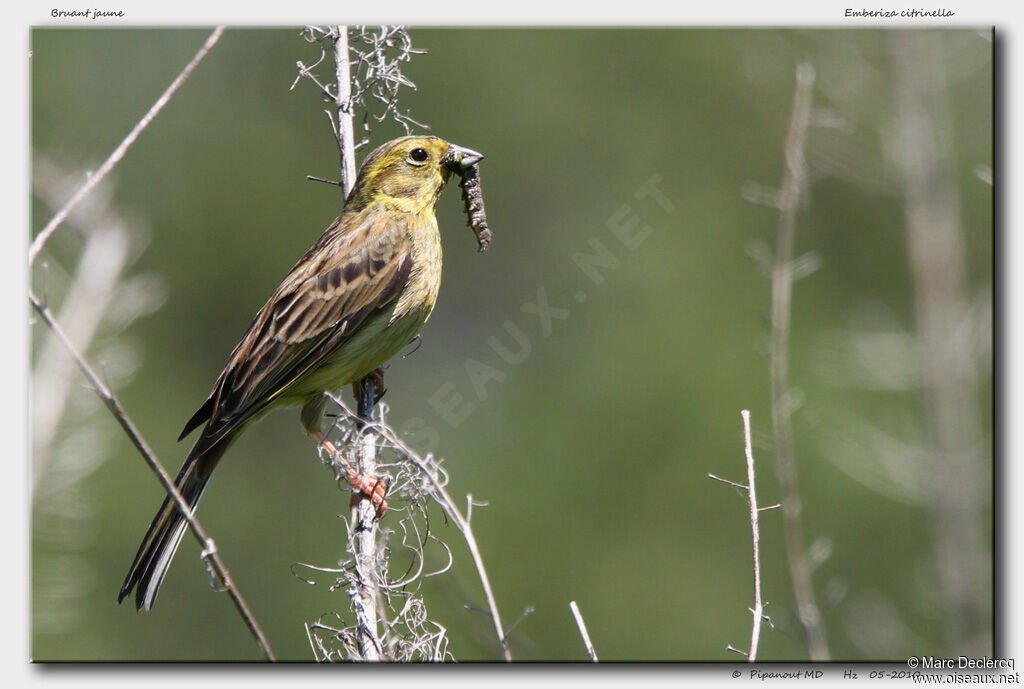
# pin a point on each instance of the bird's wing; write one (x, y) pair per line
(349, 273)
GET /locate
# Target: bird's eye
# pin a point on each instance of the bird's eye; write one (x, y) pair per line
(418, 155)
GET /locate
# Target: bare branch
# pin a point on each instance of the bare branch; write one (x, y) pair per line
(314, 178)
(725, 480)
(793, 183)
(755, 533)
(115, 157)
(210, 555)
(344, 103)
(364, 592)
(583, 631)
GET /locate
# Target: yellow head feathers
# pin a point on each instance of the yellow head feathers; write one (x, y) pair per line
(408, 173)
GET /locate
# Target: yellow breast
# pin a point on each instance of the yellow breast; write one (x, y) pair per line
(420, 294)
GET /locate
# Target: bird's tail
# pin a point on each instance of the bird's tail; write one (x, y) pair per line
(164, 534)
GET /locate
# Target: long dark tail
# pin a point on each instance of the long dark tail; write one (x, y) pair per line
(164, 535)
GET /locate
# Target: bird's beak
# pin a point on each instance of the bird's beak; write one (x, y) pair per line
(460, 158)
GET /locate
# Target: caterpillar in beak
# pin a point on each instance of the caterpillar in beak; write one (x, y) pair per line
(473, 198)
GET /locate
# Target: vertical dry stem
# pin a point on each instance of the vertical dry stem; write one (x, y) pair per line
(949, 372)
(343, 102)
(366, 594)
(794, 178)
(467, 532)
(583, 631)
(755, 536)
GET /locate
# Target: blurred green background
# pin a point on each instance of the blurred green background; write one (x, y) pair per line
(593, 453)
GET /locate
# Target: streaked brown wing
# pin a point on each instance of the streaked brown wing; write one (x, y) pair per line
(346, 275)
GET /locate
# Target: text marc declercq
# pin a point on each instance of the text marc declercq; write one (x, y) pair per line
(965, 663)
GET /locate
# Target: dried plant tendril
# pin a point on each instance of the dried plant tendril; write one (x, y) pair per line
(473, 198)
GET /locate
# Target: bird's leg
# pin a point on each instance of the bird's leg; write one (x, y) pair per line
(368, 391)
(371, 487)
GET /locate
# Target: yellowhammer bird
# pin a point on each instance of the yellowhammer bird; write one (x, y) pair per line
(358, 296)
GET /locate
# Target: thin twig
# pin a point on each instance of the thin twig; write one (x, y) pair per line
(583, 631)
(725, 480)
(209, 549)
(115, 157)
(755, 535)
(478, 561)
(794, 179)
(365, 593)
(732, 648)
(343, 102)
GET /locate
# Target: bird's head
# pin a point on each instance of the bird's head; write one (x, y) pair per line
(409, 173)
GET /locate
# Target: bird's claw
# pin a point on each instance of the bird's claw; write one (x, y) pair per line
(373, 489)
